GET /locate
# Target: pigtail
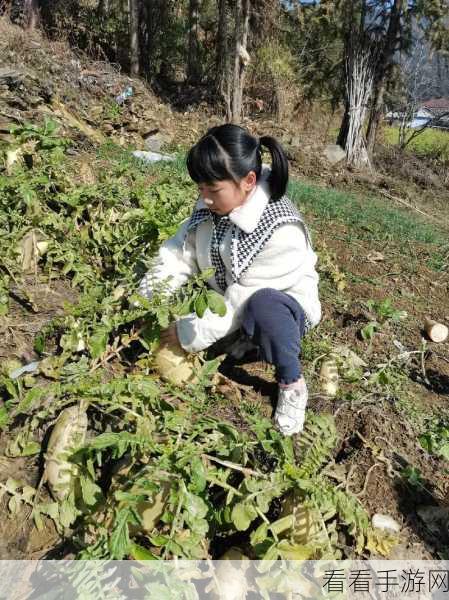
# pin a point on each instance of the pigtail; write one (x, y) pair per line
(278, 179)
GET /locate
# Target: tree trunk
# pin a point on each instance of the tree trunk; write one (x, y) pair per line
(103, 8)
(145, 41)
(348, 34)
(375, 115)
(384, 65)
(241, 58)
(222, 70)
(134, 47)
(31, 14)
(344, 127)
(359, 83)
(193, 60)
(165, 69)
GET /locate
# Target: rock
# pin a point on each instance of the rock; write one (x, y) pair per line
(150, 157)
(10, 76)
(96, 111)
(295, 142)
(34, 101)
(155, 142)
(386, 523)
(29, 368)
(5, 126)
(334, 153)
(17, 102)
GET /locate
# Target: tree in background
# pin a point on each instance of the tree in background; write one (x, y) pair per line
(315, 34)
(32, 13)
(193, 59)
(297, 47)
(389, 25)
(134, 34)
(223, 44)
(241, 59)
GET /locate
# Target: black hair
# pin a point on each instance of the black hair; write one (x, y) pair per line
(230, 152)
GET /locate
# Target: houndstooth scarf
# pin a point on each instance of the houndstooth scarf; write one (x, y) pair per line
(245, 246)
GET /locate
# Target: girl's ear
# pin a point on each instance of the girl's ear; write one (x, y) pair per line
(249, 181)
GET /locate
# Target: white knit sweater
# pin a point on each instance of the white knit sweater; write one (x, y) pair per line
(286, 263)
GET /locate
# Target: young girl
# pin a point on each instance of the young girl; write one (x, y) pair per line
(245, 227)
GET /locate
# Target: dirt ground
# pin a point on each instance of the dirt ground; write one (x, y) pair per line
(32, 306)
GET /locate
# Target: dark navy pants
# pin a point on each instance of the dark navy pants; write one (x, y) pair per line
(275, 322)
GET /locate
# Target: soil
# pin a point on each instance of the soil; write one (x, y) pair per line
(32, 306)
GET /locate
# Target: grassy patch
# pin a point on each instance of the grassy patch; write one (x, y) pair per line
(433, 143)
(370, 219)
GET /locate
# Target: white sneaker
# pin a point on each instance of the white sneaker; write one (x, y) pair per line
(291, 409)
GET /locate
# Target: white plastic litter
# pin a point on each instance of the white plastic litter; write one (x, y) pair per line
(29, 368)
(150, 157)
(386, 523)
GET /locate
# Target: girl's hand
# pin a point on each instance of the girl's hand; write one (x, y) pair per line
(169, 337)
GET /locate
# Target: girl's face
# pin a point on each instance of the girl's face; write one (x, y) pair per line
(223, 196)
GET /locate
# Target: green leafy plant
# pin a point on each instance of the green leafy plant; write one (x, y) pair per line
(436, 437)
(413, 476)
(383, 312)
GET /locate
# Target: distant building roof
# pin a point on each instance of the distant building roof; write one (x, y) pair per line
(436, 106)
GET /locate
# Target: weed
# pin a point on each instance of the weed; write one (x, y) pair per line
(314, 345)
(435, 438)
(383, 312)
(328, 265)
(413, 477)
(112, 111)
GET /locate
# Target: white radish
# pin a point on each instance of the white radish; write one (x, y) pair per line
(437, 332)
(230, 576)
(69, 433)
(150, 510)
(174, 365)
(329, 377)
